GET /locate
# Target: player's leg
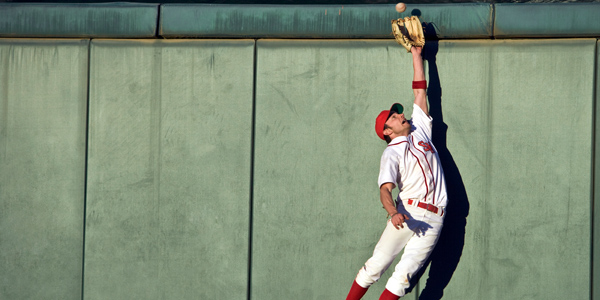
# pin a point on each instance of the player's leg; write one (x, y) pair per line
(390, 244)
(416, 252)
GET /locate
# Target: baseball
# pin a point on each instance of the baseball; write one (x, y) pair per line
(400, 7)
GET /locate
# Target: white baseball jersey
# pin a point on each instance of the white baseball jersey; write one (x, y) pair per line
(412, 164)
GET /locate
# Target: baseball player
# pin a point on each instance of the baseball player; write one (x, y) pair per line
(411, 163)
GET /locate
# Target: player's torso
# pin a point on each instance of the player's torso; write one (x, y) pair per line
(421, 176)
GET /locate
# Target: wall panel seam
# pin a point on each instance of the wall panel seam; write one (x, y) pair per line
(85, 173)
(593, 270)
(251, 185)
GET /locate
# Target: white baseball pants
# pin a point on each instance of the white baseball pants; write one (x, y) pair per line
(418, 238)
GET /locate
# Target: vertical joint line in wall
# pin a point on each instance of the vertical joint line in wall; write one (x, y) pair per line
(156, 134)
(85, 162)
(251, 198)
(593, 166)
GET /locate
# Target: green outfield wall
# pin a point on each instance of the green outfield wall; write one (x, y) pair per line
(164, 155)
(43, 86)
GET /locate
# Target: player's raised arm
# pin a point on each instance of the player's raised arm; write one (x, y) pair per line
(419, 82)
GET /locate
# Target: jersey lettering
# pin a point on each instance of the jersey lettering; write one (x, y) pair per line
(426, 146)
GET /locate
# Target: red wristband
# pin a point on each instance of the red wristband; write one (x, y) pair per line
(419, 85)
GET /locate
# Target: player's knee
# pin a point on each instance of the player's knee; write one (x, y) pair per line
(374, 268)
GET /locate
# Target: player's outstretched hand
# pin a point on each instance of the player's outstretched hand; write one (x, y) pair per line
(398, 219)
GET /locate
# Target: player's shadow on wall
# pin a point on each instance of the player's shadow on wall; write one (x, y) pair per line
(447, 253)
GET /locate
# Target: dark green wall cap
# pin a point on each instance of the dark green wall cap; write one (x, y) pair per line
(547, 20)
(444, 21)
(115, 20)
(318, 21)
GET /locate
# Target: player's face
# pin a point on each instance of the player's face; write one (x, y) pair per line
(398, 124)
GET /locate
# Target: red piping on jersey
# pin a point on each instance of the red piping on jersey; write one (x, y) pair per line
(429, 166)
(423, 171)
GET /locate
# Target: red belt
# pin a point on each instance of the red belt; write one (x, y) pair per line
(430, 207)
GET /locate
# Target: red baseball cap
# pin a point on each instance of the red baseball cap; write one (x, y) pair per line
(384, 116)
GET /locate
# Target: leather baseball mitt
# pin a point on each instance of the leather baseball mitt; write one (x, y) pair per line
(408, 32)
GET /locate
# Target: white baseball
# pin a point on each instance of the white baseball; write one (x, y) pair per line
(400, 7)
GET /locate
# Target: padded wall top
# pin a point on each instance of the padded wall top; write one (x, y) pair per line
(318, 21)
(117, 20)
(547, 20)
(444, 21)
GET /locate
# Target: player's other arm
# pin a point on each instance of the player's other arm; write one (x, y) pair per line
(385, 195)
(419, 76)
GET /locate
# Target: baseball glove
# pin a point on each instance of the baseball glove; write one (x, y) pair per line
(408, 32)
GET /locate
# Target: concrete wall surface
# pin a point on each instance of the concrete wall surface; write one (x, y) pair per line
(43, 104)
(247, 169)
(513, 131)
(169, 169)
